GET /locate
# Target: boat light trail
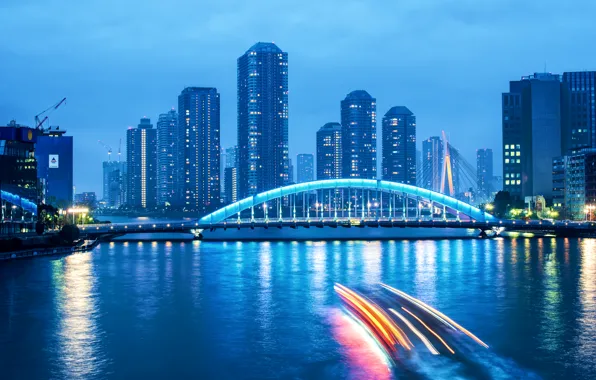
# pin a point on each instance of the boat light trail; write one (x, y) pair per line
(424, 340)
(429, 329)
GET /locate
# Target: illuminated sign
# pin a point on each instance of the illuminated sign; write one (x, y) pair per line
(53, 161)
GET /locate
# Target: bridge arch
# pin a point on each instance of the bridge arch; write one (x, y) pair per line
(236, 208)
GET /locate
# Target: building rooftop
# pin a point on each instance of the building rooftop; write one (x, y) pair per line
(399, 110)
(265, 47)
(332, 125)
(359, 95)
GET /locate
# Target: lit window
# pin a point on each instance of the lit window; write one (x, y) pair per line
(518, 182)
(506, 160)
(507, 153)
(517, 154)
(506, 146)
(507, 182)
(518, 161)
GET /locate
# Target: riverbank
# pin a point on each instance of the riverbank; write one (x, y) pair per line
(47, 251)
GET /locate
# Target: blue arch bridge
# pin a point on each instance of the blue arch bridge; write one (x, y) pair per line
(347, 203)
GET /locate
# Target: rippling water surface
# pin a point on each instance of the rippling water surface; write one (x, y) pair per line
(268, 310)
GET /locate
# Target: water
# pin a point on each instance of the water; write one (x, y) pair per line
(268, 310)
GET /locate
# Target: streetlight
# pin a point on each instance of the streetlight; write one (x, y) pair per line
(77, 210)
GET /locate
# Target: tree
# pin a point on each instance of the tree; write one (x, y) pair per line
(503, 201)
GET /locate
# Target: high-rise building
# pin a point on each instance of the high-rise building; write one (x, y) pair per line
(290, 172)
(228, 160)
(359, 135)
(581, 87)
(418, 168)
(54, 154)
(263, 160)
(535, 123)
(199, 148)
(399, 146)
(432, 163)
(114, 179)
(167, 159)
(141, 161)
(329, 151)
(231, 183)
(484, 172)
(574, 184)
(306, 170)
(88, 199)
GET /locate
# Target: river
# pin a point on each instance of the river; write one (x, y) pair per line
(222, 310)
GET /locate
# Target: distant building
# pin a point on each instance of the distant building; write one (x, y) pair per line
(306, 170)
(535, 122)
(18, 173)
(231, 183)
(359, 135)
(88, 199)
(199, 141)
(167, 159)
(141, 154)
(263, 162)
(114, 180)
(290, 172)
(581, 87)
(432, 163)
(484, 172)
(228, 160)
(329, 151)
(54, 154)
(399, 146)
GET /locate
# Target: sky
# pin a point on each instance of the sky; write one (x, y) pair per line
(116, 61)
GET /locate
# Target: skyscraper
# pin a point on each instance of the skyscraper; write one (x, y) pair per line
(141, 154)
(229, 177)
(329, 151)
(432, 163)
(167, 159)
(484, 171)
(306, 168)
(582, 96)
(199, 148)
(535, 123)
(359, 136)
(263, 160)
(399, 146)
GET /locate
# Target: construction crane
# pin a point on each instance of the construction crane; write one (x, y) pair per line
(38, 122)
(109, 148)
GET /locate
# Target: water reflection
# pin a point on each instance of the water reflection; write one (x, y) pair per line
(79, 337)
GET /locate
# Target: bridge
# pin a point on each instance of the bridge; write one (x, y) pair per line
(346, 203)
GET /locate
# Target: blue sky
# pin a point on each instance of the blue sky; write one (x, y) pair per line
(116, 61)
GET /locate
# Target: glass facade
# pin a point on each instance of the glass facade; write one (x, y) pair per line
(114, 180)
(18, 175)
(432, 163)
(200, 149)
(581, 87)
(399, 146)
(263, 161)
(329, 151)
(484, 172)
(359, 135)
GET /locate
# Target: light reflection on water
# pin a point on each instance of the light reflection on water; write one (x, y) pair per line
(247, 310)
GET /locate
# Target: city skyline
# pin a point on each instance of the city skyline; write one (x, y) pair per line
(428, 81)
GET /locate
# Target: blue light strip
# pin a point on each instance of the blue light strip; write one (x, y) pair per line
(370, 184)
(16, 200)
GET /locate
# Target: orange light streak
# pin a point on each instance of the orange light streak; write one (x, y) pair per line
(429, 329)
(424, 340)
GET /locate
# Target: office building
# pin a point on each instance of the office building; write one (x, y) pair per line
(359, 136)
(290, 172)
(535, 115)
(54, 154)
(399, 146)
(167, 159)
(88, 199)
(141, 162)
(18, 174)
(306, 170)
(484, 172)
(228, 160)
(582, 112)
(263, 161)
(200, 149)
(114, 181)
(329, 151)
